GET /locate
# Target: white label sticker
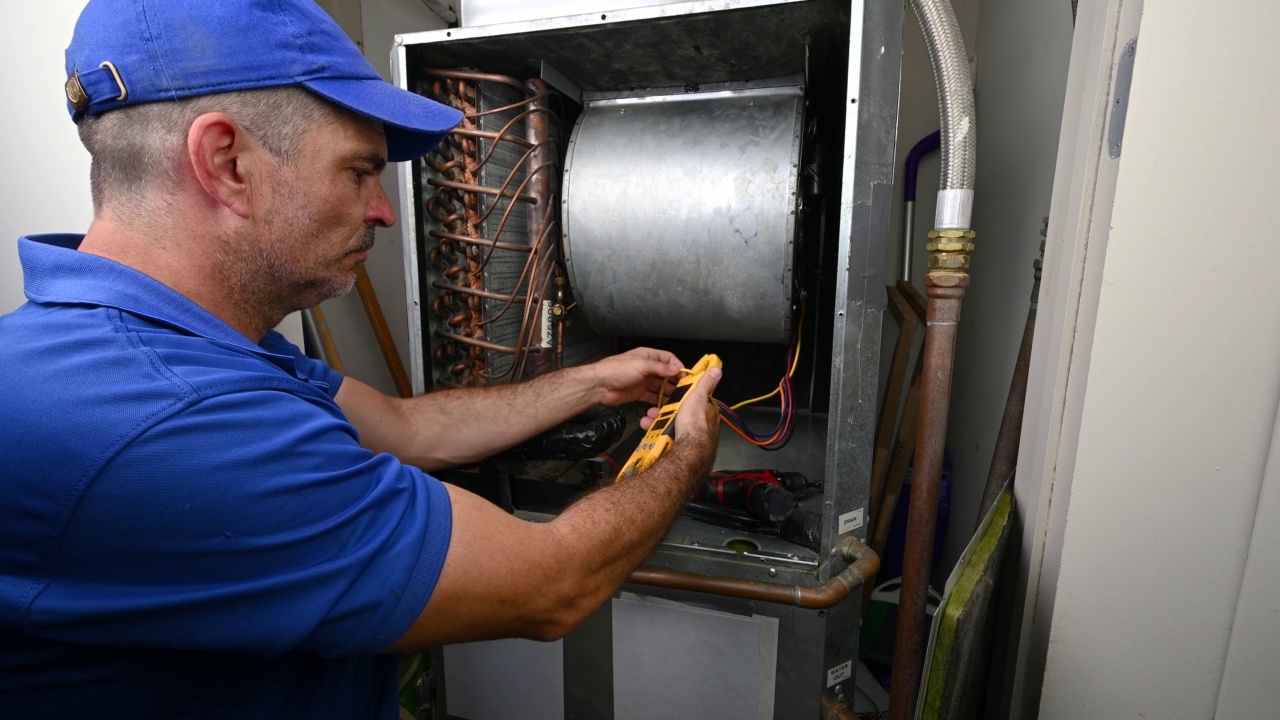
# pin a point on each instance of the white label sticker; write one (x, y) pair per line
(840, 673)
(850, 521)
(548, 324)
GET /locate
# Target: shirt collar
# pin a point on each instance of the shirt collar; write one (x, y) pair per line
(56, 273)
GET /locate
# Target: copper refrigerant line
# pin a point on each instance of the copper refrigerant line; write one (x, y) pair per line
(461, 254)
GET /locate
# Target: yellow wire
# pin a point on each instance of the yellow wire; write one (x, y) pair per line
(662, 389)
(790, 373)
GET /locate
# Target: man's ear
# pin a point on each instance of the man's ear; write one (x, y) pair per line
(222, 158)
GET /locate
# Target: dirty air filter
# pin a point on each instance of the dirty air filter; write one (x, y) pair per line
(680, 213)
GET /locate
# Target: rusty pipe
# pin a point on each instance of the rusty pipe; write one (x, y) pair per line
(946, 292)
(863, 563)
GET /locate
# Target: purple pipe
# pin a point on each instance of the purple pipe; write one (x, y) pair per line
(928, 144)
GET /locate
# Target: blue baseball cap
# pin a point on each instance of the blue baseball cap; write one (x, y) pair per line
(128, 52)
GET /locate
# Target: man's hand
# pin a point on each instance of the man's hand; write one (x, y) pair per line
(698, 417)
(634, 375)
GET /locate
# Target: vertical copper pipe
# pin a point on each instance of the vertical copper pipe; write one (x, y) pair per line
(946, 292)
(560, 315)
(537, 132)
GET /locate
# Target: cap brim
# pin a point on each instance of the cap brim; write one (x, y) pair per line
(414, 124)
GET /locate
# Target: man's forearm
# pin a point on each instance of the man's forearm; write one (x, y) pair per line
(622, 524)
(453, 427)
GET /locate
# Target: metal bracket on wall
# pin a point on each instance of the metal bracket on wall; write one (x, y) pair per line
(1120, 99)
(559, 81)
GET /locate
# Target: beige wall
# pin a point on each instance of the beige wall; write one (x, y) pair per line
(1023, 50)
(1179, 402)
(44, 186)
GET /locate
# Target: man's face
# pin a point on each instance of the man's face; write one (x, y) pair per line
(318, 214)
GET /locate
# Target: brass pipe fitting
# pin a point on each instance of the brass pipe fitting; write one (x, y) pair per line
(950, 249)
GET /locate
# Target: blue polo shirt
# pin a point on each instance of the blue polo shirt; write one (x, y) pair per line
(189, 526)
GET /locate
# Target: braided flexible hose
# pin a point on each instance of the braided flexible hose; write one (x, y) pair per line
(955, 102)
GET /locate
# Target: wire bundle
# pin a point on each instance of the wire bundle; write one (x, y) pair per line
(781, 432)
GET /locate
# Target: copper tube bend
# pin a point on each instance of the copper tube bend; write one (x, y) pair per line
(863, 563)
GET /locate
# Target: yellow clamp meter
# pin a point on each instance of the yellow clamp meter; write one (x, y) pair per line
(661, 435)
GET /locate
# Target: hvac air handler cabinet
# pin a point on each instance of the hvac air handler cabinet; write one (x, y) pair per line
(706, 177)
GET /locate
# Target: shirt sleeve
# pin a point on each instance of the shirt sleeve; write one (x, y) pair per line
(254, 522)
(307, 367)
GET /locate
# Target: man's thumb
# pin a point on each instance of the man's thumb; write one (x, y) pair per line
(707, 383)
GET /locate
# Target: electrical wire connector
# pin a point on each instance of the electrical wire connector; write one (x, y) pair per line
(950, 249)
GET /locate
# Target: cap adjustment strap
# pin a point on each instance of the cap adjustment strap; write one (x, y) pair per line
(101, 84)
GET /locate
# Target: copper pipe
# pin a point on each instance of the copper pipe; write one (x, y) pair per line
(476, 342)
(386, 343)
(1004, 459)
(833, 708)
(477, 293)
(505, 128)
(504, 108)
(469, 187)
(562, 284)
(491, 136)
(507, 183)
(863, 564)
(477, 77)
(507, 213)
(945, 291)
(326, 340)
(538, 132)
(534, 306)
(530, 264)
(478, 241)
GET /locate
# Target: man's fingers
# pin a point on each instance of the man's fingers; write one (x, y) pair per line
(658, 362)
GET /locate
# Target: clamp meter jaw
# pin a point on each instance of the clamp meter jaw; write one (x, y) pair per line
(661, 434)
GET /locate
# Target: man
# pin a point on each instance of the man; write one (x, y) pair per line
(197, 520)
